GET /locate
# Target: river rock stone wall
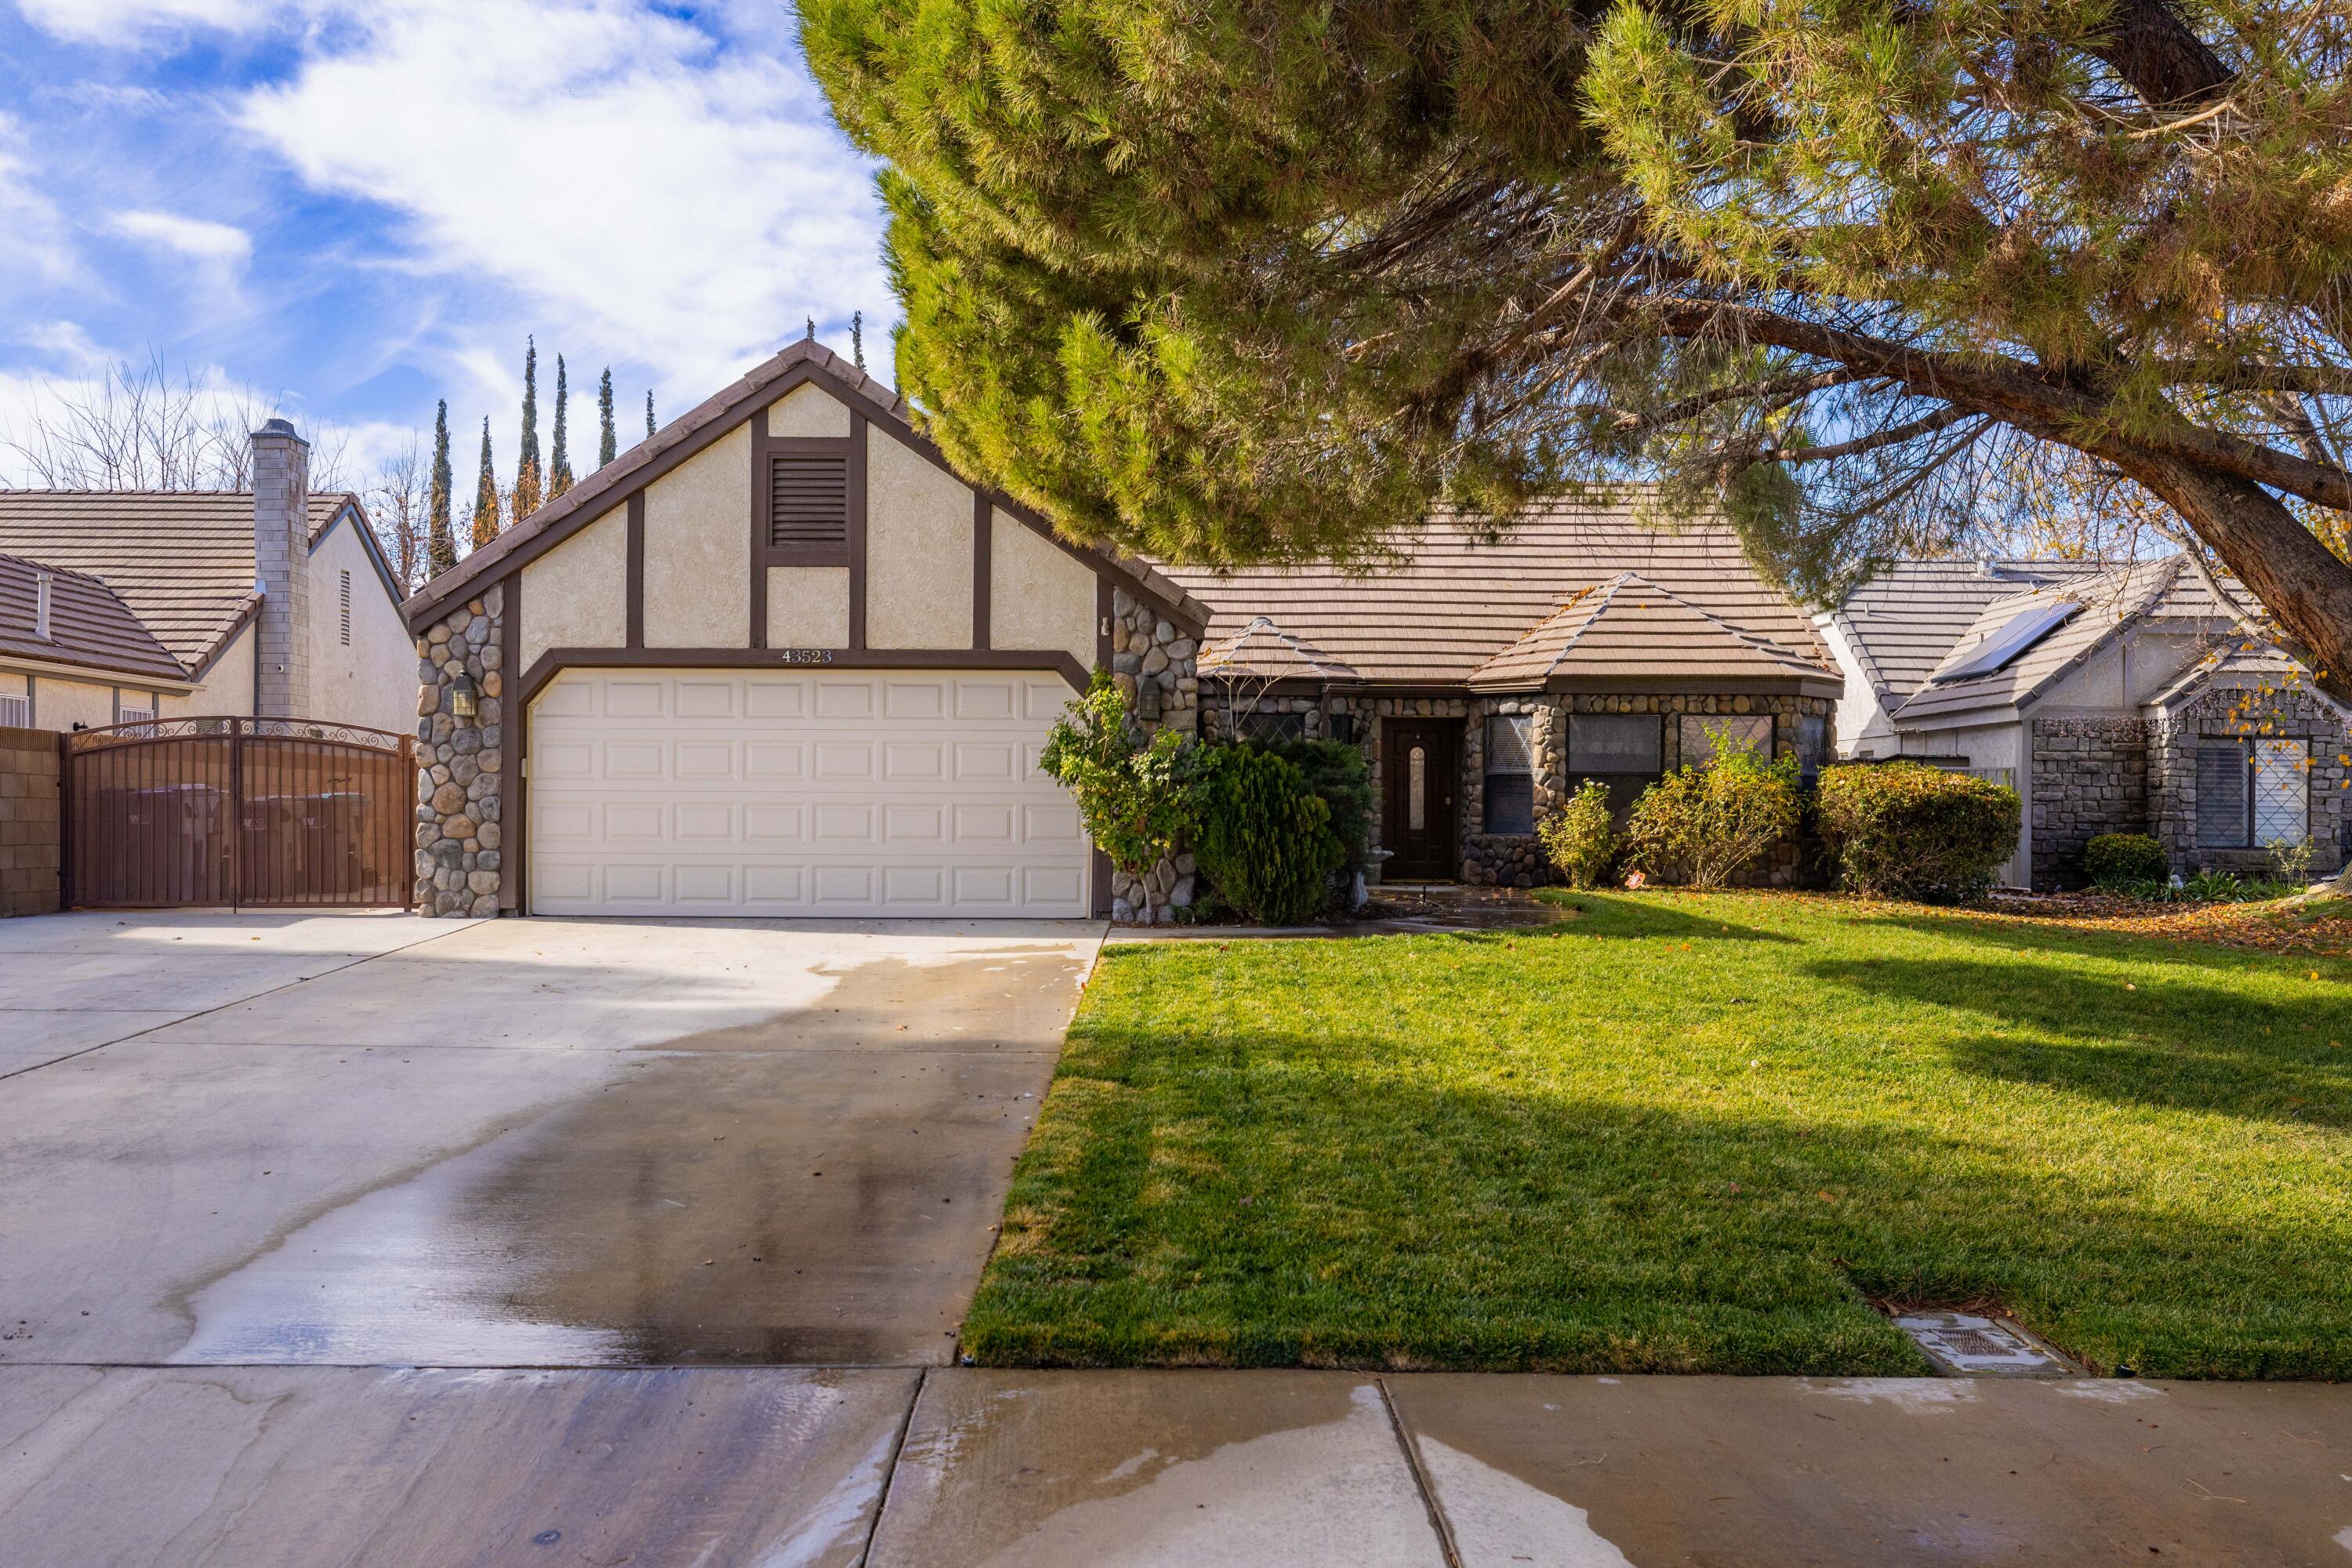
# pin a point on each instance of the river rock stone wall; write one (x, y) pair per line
(460, 762)
(1156, 664)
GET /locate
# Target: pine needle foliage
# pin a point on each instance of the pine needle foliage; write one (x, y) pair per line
(486, 496)
(441, 541)
(559, 475)
(528, 476)
(607, 442)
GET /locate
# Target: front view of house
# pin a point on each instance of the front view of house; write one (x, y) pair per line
(776, 660)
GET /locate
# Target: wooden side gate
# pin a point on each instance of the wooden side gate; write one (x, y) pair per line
(246, 813)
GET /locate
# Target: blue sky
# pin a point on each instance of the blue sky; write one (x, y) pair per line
(353, 208)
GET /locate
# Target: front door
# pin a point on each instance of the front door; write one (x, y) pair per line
(1419, 780)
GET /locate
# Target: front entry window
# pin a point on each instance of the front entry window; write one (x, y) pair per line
(1416, 784)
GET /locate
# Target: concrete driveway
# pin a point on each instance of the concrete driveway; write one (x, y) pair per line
(376, 1140)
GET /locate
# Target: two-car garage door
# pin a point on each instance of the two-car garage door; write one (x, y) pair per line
(820, 791)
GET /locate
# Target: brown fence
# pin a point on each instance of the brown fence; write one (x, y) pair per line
(239, 812)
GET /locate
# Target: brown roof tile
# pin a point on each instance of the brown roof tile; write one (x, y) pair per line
(2108, 601)
(89, 625)
(1629, 628)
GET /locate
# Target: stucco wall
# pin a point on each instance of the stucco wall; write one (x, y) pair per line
(229, 683)
(808, 606)
(1038, 596)
(699, 549)
(61, 704)
(918, 550)
(365, 681)
(806, 411)
(577, 595)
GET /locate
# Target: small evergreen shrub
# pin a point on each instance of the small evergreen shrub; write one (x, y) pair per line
(1136, 800)
(2112, 859)
(1580, 837)
(1706, 825)
(1906, 830)
(1337, 774)
(1265, 840)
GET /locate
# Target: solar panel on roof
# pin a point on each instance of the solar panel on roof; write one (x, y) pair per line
(2017, 633)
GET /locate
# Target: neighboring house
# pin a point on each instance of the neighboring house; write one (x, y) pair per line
(777, 659)
(270, 602)
(1485, 676)
(2114, 698)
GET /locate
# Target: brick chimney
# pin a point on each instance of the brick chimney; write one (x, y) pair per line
(281, 558)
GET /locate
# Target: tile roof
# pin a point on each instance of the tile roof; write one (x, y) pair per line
(181, 560)
(2110, 600)
(1264, 651)
(1629, 629)
(2247, 660)
(1443, 600)
(89, 625)
(1910, 614)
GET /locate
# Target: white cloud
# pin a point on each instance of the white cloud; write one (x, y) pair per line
(200, 240)
(127, 22)
(32, 235)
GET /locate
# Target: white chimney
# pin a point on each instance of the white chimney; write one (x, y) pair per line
(41, 606)
(281, 557)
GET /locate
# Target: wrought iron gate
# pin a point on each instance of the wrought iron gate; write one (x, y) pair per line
(243, 812)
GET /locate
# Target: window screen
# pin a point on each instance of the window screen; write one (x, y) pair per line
(2282, 810)
(1812, 744)
(808, 500)
(1755, 728)
(1621, 751)
(1510, 774)
(16, 712)
(2223, 783)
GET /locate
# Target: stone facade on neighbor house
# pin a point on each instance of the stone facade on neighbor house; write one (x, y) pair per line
(1155, 663)
(460, 762)
(2089, 777)
(2245, 714)
(30, 823)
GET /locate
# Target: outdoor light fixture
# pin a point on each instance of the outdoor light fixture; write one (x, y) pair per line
(461, 697)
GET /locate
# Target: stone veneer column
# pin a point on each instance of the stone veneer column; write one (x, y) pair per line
(281, 559)
(460, 765)
(1155, 663)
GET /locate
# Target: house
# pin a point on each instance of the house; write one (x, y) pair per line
(776, 659)
(2115, 699)
(1485, 675)
(126, 607)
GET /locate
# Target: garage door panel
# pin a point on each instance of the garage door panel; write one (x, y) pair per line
(707, 793)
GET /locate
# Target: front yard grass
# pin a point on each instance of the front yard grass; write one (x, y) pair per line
(1689, 1133)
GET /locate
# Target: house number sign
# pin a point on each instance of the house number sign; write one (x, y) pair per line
(805, 655)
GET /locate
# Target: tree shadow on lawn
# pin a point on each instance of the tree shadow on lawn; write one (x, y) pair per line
(1312, 1202)
(1634, 919)
(2173, 1039)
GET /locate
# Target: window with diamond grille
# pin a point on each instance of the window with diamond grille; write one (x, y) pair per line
(1753, 730)
(2281, 807)
(808, 501)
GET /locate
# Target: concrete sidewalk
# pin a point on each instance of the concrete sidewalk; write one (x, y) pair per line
(908, 1469)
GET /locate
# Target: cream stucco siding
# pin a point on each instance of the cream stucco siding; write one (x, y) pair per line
(1038, 597)
(577, 595)
(61, 704)
(372, 679)
(918, 550)
(805, 412)
(808, 606)
(699, 549)
(228, 682)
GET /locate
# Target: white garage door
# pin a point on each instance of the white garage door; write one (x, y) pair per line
(909, 793)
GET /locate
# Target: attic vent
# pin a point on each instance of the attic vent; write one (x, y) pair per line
(347, 609)
(808, 501)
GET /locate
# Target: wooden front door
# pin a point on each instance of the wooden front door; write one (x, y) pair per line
(1420, 779)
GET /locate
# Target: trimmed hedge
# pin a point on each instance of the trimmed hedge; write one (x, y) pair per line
(2113, 859)
(1265, 841)
(1906, 830)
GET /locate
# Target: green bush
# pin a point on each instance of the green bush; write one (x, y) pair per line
(1580, 837)
(1136, 800)
(1265, 840)
(2112, 859)
(1336, 773)
(1906, 830)
(1706, 825)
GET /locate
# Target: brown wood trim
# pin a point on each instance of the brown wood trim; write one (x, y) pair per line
(636, 570)
(858, 462)
(514, 739)
(983, 551)
(557, 659)
(763, 497)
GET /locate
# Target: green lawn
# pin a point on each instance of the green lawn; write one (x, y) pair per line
(1688, 1134)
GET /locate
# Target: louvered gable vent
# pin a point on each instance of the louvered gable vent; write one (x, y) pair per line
(808, 500)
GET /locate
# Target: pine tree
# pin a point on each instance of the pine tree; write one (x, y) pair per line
(607, 443)
(441, 545)
(486, 496)
(559, 474)
(857, 338)
(649, 412)
(527, 469)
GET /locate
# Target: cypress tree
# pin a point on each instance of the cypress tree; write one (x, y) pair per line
(649, 412)
(441, 545)
(559, 473)
(607, 445)
(857, 338)
(527, 472)
(486, 496)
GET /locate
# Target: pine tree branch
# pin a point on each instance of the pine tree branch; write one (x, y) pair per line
(1942, 419)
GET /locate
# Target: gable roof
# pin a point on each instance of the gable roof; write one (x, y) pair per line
(2110, 600)
(1629, 628)
(1904, 620)
(1264, 651)
(89, 625)
(2244, 663)
(704, 423)
(1449, 598)
(180, 560)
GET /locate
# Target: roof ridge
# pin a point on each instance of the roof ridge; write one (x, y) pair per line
(37, 564)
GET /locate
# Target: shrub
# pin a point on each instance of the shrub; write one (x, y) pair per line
(1708, 823)
(1580, 837)
(2291, 860)
(2112, 859)
(1336, 773)
(1265, 839)
(1906, 830)
(1136, 800)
